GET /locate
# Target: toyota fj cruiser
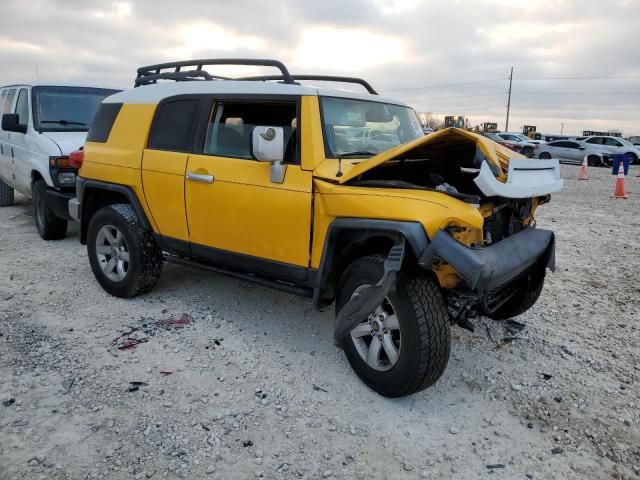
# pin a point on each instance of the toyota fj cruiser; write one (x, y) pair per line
(325, 193)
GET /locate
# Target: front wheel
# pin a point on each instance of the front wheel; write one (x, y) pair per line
(124, 257)
(594, 161)
(403, 346)
(633, 158)
(545, 155)
(49, 225)
(527, 152)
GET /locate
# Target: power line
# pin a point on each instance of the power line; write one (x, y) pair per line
(603, 77)
(444, 85)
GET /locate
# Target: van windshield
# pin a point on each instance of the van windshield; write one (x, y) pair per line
(365, 128)
(66, 109)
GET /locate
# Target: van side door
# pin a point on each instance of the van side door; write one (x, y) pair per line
(23, 157)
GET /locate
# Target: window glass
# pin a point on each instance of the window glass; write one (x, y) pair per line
(555, 144)
(60, 109)
(230, 129)
(366, 126)
(8, 101)
(571, 145)
(595, 141)
(172, 127)
(612, 142)
(22, 107)
(2, 97)
(103, 122)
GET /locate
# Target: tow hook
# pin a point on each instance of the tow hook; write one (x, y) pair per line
(370, 296)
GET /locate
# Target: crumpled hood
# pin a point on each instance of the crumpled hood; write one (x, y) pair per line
(351, 168)
(67, 141)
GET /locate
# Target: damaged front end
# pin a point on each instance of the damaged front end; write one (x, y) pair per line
(480, 269)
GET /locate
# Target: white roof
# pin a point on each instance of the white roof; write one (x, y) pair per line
(75, 85)
(156, 92)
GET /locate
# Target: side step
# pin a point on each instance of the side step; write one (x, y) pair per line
(247, 277)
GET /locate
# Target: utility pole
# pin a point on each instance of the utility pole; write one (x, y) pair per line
(561, 128)
(506, 128)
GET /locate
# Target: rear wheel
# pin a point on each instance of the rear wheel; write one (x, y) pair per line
(6, 195)
(545, 155)
(403, 346)
(50, 226)
(123, 255)
(594, 161)
(633, 158)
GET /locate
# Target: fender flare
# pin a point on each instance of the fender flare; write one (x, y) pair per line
(82, 185)
(413, 232)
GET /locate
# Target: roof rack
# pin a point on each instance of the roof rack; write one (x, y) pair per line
(323, 78)
(152, 73)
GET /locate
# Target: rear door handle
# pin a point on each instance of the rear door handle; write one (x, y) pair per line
(197, 177)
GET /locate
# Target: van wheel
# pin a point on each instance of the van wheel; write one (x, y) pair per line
(403, 346)
(124, 257)
(50, 226)
(6, 195)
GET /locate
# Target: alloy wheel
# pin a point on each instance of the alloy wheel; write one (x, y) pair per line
(112, 253)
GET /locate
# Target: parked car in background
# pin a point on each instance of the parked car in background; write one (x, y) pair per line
(510, 144)
(571, 151)
(40, 126)
(613, 145)
(528, 146)
(635, 140)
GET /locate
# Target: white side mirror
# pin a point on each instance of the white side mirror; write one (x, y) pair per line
(268, 146)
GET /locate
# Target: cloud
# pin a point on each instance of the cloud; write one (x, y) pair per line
(460, 50)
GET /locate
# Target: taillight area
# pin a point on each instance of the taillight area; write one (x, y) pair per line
(76, 158)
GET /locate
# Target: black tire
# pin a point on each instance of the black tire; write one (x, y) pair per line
(528, 290)
(6, 195)
(424, 325)
(527, 152)
(594, 161)
(633, 158)
(545, 155)
(49, 225)
(144, 264)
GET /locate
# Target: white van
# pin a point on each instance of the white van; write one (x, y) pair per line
(40, 126)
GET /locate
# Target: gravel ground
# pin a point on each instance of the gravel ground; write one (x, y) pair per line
(249, 384)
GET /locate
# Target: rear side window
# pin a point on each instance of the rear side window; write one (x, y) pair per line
(173, 125)
(595, 140)
(8, 101)
(103, 122)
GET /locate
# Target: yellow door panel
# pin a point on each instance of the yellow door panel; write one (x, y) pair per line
(163, 181)
(243, 212)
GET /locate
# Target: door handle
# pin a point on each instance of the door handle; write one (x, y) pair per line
(197, 177)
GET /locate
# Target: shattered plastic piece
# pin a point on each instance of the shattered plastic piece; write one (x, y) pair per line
(165, 372)
(495, 465)
(135, 386)
(129, 343)
(185, 319)
(318, 388)
(8, 402)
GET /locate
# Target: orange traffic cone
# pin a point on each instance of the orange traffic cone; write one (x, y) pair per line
(619, 191)
(584, 170)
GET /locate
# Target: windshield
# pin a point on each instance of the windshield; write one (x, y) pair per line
(522, 138)
(365, 127)
(66, 109)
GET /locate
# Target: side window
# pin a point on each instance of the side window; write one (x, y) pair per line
(595, 140)
(8, 101)
(3, 96)
(572, 145)
(231, 127)
(103, 122)
(22, 107)
(612, 142)
(560, 143)
(173, 125)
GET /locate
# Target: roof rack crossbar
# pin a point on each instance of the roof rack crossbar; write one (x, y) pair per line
(153, 73)
(323, 78)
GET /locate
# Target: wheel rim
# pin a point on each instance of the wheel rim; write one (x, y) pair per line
(378, 340)
(112, 253)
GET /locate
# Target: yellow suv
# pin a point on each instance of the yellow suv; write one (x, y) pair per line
(326, 193)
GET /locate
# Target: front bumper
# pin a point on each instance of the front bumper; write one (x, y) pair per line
(489, 268)
(58, 202)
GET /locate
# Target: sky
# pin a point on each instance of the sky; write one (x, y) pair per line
(576, 62)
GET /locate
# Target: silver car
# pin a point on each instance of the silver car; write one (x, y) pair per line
(613, 145)
(571, 151)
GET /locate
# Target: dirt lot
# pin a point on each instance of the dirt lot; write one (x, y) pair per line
(257, 387)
